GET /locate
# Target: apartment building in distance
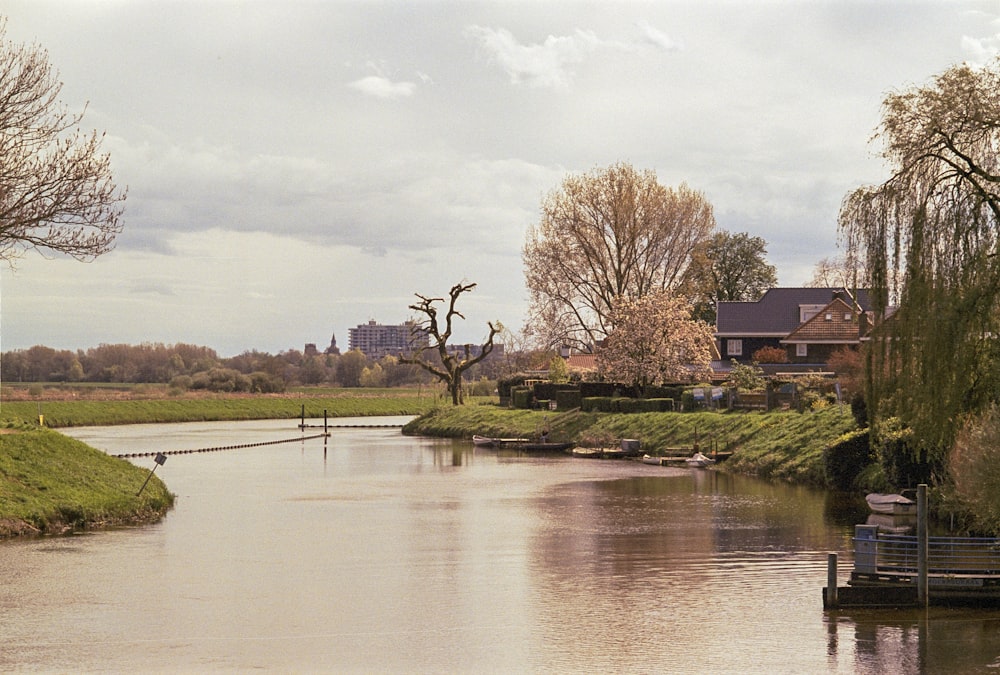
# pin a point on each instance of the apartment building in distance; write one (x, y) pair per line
(375, 340)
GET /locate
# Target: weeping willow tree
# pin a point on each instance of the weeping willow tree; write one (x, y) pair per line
(929, 236)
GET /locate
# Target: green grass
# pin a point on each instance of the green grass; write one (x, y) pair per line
(100, 412)
(775, 445)
(50, 483)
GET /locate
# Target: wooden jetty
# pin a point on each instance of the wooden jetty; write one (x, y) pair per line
(680, 456)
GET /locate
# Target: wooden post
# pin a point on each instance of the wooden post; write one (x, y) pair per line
(302, 422)
(922, 593)
(831, 580)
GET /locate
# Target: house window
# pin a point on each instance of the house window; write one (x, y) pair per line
(829, 316)
(802, 350)
(848, 316)
(807, 312)
(734, 347)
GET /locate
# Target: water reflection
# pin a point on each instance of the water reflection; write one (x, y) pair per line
(375, 552)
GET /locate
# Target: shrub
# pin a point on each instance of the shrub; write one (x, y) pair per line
(859, 408)
(567, 399)
(265, 383)
(975, 467)
(770, 355)
(521, 397)
(505, 385)
(483, 387)
(746, 377)
(904, 462)
(846, 459)
(659, 404)
(674, 391)
(597, 404)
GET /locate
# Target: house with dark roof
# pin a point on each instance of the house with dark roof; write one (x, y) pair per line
(809, 324)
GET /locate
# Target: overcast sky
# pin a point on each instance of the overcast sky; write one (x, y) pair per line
(297, 168)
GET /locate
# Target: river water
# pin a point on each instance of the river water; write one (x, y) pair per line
(373, 552)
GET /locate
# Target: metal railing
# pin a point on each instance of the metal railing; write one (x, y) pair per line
(897, 554)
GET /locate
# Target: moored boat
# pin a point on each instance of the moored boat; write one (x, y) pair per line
(491, 442)
(699, 460)
(893, 504)
(649, 459)
(544, 446)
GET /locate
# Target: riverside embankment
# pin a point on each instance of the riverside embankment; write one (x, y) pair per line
(782, 445)
(52, 484)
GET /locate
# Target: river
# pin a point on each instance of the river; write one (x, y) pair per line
(373, 552)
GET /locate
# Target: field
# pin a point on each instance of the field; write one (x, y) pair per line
(63, 406)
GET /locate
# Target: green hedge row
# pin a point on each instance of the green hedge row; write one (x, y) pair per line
(612, 404)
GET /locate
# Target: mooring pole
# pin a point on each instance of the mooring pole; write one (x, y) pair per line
(831, 580)
(302, 421)
(922, 591)
(325, 429)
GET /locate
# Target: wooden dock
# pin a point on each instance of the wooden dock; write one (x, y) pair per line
(899, 570)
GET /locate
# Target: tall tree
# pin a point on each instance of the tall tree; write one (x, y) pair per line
(56, 188)
(839, 271)
(605, 234)
(727, 267)
(656, 341)
(930, 236)
(449, 365)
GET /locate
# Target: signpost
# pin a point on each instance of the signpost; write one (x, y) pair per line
(159, 459)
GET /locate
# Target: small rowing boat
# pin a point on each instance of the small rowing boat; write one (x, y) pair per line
(699, 461)
(892, 504)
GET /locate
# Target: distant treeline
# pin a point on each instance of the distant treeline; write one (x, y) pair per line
(192, 367)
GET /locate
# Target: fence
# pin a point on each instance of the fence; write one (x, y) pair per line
(897, 555)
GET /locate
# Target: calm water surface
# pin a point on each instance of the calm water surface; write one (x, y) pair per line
(373, 552)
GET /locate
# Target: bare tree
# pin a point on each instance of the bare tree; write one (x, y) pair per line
(56, 188)
(606, 234)
(840, 271)
(449, 365)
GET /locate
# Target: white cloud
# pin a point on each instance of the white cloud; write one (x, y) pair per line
(381, 87)
(538, 65)
(657, 38)
(548, 64)
(981, 51)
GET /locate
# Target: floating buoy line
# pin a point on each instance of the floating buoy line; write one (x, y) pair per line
(220, 448)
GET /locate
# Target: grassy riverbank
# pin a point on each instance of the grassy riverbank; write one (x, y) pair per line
(50, 483)
(777, 445)
(69, 412)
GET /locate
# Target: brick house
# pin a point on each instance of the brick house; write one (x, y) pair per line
(809, 324)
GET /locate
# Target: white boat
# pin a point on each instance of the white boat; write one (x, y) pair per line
(649, 459)
(893, 504)
(699, 460)
(489, 442)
